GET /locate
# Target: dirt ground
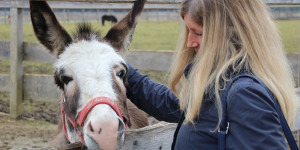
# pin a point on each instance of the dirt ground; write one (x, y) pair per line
(34, 131)
(25, 134)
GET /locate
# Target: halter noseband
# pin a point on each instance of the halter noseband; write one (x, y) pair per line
(78, 123)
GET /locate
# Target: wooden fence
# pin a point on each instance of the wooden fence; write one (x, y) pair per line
(17, 81)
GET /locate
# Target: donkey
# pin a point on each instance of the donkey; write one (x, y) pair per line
(92, 75)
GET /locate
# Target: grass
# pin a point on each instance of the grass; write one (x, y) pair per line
(4, 96)
(161, 35)
(289, 31)
(29, 67)
(149, 35)
(4, 66)
(156, 35)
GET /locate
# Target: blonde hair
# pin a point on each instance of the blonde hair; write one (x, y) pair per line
(237, 35)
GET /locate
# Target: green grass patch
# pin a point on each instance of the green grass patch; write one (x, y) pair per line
(4, 65)
(4, 96)
(149, 35)
(156, 35)
(4, 99)
(157, 76)
(38, 68)
(160, 35)
(289, 31)
(29, 67)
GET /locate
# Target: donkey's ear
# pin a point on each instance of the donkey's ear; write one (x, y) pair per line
(120, 35)
(47, 29)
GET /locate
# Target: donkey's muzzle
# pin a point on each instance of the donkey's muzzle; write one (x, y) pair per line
(105, 132)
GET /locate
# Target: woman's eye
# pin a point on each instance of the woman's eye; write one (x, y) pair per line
(121, 73)
(66, 79)
(198, 34)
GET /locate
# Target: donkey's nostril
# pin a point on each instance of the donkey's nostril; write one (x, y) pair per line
(92, 129)
(99, 131)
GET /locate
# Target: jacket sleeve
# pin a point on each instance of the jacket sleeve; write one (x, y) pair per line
(155, 99)
(254, 122)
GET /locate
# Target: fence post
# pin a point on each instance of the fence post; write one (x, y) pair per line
(16, 60)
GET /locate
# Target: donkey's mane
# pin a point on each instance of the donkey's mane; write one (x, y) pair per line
(85, 31)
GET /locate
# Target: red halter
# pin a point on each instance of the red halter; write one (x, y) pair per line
(78, 123)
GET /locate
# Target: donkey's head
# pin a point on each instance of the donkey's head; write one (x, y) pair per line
(91, 74)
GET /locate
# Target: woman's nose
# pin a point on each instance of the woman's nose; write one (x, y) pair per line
(192, 42)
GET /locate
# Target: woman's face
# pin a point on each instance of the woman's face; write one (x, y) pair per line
(195, 33)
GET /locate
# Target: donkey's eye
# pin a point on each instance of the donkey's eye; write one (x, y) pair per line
(121, 73)
(66, 79)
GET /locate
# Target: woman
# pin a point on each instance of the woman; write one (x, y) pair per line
(223, 38)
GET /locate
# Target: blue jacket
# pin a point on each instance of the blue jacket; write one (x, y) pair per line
(254, 122)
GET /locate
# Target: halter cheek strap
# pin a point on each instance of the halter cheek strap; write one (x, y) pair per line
(78, 123)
